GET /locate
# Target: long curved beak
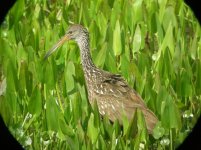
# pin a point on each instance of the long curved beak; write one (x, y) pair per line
(58, 44)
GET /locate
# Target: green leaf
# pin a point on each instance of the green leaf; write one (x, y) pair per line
(161, 96)
(168, 40)
(170, 113)
(107, 127)
(16, 13)
(69, 73)
(21, 53)
(100, 58)
(35, 103)
(52, 114)
(114, 144)
(115, 13)
(117, 47)
(129, 19)
(137, 39)
(49, 76)
(186, 87)
(92, 131)
(66, 129)
(76, 107)
(162, 9)
(169, 17)
(194, 44)
(138, 10)
(96, 115)
(131, 127)
(158, 131)
(102, 25)
(141, 125)
(102, 143)
(124, 66)
(111, 63)
(127, 126)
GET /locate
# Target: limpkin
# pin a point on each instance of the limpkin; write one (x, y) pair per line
(113, 95)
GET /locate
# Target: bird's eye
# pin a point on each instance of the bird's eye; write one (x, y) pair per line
(70, 32)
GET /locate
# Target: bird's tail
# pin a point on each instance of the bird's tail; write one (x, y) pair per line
(150, 119)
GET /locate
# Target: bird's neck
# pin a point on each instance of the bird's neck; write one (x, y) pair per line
(86, 59)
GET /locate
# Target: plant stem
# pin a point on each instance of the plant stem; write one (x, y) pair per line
(59, 98)
(171, 146)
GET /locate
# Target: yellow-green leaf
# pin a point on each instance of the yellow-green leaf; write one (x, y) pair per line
(117, 47)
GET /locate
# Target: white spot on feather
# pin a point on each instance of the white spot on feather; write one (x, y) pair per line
(102, 107)
(113, 107)
(102, 112)
(111, 90)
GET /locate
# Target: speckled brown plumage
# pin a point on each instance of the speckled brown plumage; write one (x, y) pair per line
(113, 95)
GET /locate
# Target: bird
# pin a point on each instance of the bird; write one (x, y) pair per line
(113, 96)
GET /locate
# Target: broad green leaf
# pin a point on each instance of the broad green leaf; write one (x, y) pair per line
(168, 40)
(96, 115)
(127, 126)
(162, 9)
(117, 47)
(134, 71)
(35, 103)
(16, 13)
(137, 39)
(76, 107)
(22, 78)
(92, 131)
(117, 127)
(167, 62)
(12, 82)
(171, 117)
(169, 17)
(100, 58)
(129, 19)
(160, 32)
(161, 97)
(115, 13)
(124, 66)
(186, 86)
(138, 11)
(102, 143)
(52, 114)
(21, 53)
(158, 131)
(83, 96)
(194, 44)
(111, 63)
(49, 76)
(107, 127)
(102, 25)
(131, 127)
(66, 129)
(69, 73)
(114, 144)
(141, 125)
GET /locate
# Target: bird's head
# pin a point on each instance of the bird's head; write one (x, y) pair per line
(74, 32)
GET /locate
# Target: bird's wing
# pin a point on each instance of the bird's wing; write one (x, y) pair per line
(118, 97)
(117, 87)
